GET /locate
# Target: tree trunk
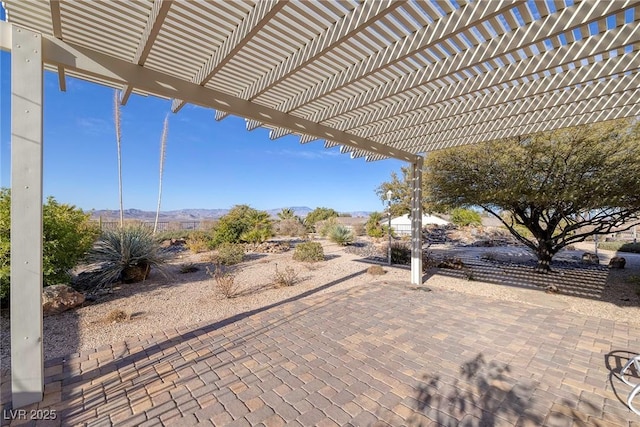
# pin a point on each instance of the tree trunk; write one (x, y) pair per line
(544, 259)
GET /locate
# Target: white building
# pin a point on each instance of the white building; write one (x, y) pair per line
(402, 225)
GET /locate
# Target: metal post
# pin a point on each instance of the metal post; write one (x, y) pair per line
(416, 222)
(27, 361)
(389, 232)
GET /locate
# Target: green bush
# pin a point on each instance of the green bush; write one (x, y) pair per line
(242, 224)
(340, 235)
(125, 254)
(463, 217)
(198, 241)
(67, 235)
(309, 252)
(374, 228)
(229, 254)
(174, 235)
(257, 234)
(400, 253)
(620, 246)
(292, 227)
(325, 227)
(318, 214)
(359, 230)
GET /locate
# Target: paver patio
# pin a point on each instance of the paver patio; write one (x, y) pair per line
(381, 354)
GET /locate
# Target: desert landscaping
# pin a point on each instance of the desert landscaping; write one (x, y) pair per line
(190, 294)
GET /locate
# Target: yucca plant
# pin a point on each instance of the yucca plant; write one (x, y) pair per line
(116, 121)
(125, 254)
(341, 235)
(163, 150)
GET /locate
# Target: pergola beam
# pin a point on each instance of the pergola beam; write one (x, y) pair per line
(119, 72)
(56, 27)
(159, 12)
(241, 35)
(27, 357)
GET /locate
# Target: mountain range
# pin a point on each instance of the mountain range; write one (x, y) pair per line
(197, 214)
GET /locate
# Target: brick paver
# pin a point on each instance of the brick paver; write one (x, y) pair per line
(379, 354)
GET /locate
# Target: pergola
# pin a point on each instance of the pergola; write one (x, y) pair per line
(380, 78)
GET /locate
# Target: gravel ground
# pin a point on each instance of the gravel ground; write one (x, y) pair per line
(183, 299)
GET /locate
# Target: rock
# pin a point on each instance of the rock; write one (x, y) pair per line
(551, 289)
(268, 247)
(452, 263)
(617, 262)
(59, 298)
(135, 273)
(589, 258)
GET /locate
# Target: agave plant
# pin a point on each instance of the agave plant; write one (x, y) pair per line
(340, 235)
(125, 254)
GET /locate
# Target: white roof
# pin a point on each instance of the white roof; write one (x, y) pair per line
(426, 219)
(378, 78)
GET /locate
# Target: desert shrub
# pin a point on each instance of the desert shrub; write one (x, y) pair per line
(376, 270)
(325, 227)
(358, 230)
(174, 234)
(400, 253)
(489, 256)
(125, 254)
(309, 252)
(117, 316)
(257, 235)
(68, 234)
(229, 254)
(620, 246)
(242, 223)
(286, 277)
(292, 227)
(225, 280)
(340, 235)
(188, 268)
(428, 261)
(318, 214)
(374, 228)
(198, 241)
(464, 217)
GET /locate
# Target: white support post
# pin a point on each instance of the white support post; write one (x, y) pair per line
(27, 359)
(416, 222)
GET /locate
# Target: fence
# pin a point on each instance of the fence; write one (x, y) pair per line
(401, 229)
(162, 225)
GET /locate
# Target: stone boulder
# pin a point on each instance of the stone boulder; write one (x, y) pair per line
(268, 247)
(617, 262)
(589, 258)
(59, 298)
(452, 263)
(135, 273)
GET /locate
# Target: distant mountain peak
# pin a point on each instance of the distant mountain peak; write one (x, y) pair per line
(197, 214)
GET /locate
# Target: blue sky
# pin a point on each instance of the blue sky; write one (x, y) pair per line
(208, 164)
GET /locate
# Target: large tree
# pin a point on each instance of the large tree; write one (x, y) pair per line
(562, 186)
